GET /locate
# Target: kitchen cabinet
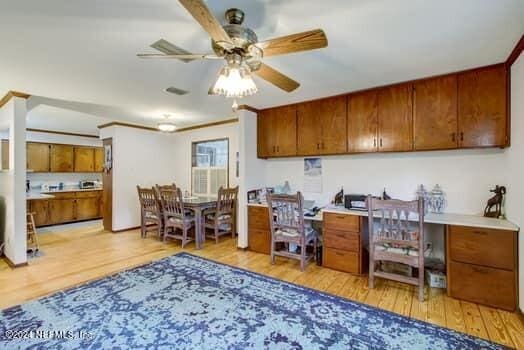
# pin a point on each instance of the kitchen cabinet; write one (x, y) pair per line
(61, 159)
(277, 132)
(321, 126)
(61, 210)
(362, 122)
(395, 118)
(40, 210)
(99, 159)
(435, 120)
(259, 234)
(87, 208)
(5, 155)
(84, 159)
(37, 157)
(482, 107)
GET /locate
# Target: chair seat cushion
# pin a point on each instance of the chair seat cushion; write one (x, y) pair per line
(396, 250)
(309, 231)
(180, 220)
(220, 218)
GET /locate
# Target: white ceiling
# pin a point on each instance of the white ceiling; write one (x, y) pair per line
(84, 51)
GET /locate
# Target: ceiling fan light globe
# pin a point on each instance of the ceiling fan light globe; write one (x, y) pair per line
(166, 127)
(234, 82)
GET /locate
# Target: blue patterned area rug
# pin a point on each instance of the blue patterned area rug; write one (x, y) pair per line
(187, 302)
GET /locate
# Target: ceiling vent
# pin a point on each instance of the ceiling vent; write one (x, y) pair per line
(176, 91)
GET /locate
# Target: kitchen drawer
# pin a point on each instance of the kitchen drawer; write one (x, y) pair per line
(342, 240)
(341, 222)
(62, 195)
(258, 218)
(259, 241)
(483, 285)
(341, 260)
(493, 248)
(87, 194)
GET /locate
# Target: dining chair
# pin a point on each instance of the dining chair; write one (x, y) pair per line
(150, 212)
(396, 239)
(176, 216)
(32, 235)
(286, 221)
(222, 218)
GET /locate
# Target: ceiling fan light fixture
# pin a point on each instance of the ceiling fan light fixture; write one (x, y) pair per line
(166, 125)
(234, 81)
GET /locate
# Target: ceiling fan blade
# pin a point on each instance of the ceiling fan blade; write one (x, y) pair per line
(310, 40)
(276, 78)
(170, 49)
(185, 58)
(202, 14)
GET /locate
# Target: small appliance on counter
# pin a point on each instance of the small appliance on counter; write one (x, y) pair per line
(86, 184)
(27, 186)
(355, 201)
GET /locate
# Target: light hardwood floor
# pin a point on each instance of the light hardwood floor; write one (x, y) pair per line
(78, 255)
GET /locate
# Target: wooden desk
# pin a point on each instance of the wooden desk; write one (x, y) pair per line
(481, 253)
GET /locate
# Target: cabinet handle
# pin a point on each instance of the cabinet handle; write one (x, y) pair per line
(274, 149)
(339, 254)
(453, 137)
(340, 217)
(480, 270)
(381, 142)
(374, 142)
(462, 136)
(480, 232)
(318, 146)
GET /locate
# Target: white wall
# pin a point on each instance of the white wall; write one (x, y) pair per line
(140, 157)
(252, 170)
(69, 179)
(181, 151)
(515, 163)
(466, 175)
(12, 182)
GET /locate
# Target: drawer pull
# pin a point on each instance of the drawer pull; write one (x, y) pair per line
(340, 217)
(480, 270)
(480, 232)
(339, 254)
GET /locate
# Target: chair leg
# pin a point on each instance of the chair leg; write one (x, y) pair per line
(272, 252)
(165, 236)
(303, 256)
(421, 286)
(371, 275)
(184, 237)
(216, 233)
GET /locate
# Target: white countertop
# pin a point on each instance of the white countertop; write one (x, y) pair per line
(443, 219)
(37, 195)
(73, 189)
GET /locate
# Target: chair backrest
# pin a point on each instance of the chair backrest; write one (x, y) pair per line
(171, 201)
(394, 223)
(148, 200)
(286, 212)
(166, 187)
(226, 201)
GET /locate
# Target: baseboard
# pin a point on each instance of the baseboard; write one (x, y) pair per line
(12, 264)
(125, 229)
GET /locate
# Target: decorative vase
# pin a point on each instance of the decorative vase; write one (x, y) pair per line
(424, 194)
(438, 200)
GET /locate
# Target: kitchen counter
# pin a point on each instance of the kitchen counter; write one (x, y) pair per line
(32, 196)
(73, 189)
(442, 219)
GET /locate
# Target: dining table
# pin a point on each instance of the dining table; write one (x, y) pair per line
(198, 205)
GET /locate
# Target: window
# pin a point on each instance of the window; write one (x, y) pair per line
(210, 166)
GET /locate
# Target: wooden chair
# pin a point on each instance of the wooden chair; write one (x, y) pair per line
(222, 219)
(32, 236)
(286, 221)
(150, 212)
(175, 215)
(396, 239)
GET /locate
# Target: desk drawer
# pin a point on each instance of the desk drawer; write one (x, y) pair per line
(87, 194)
(341, 222)
(259, 241)
(341, 260)
(258, 218)
(483, 285)
(493, 248)
(342, 240)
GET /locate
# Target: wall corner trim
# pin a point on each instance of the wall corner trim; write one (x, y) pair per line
(10, 94)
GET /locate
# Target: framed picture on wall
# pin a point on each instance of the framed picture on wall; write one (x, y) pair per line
(108, 158)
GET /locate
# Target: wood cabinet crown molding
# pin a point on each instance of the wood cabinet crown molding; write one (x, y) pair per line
(10, 94)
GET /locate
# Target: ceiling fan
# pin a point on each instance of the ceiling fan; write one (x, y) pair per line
(242, 51)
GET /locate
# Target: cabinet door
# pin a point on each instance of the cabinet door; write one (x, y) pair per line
(333, 123)
(87, 208)
(285, 129)
(37, 157)
(5, 155)
(363, 122)
(99, 159)
(61, 158)
(61, 210)
(265, 137)
(40, 210)
(309, 129)
(84, 159)
(482, 112)
(435, 113)
(395, 118)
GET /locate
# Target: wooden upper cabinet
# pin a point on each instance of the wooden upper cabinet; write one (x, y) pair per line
(61, 158)
(277, 132)
(482, 111)
(5, 155)
(435, 113)
(321, 126)
(395, 118)
(37, 155)
(99, 159)
(362, 122)
(84, 159)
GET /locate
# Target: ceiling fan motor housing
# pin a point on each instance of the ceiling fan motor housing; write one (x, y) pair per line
(242, 37)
